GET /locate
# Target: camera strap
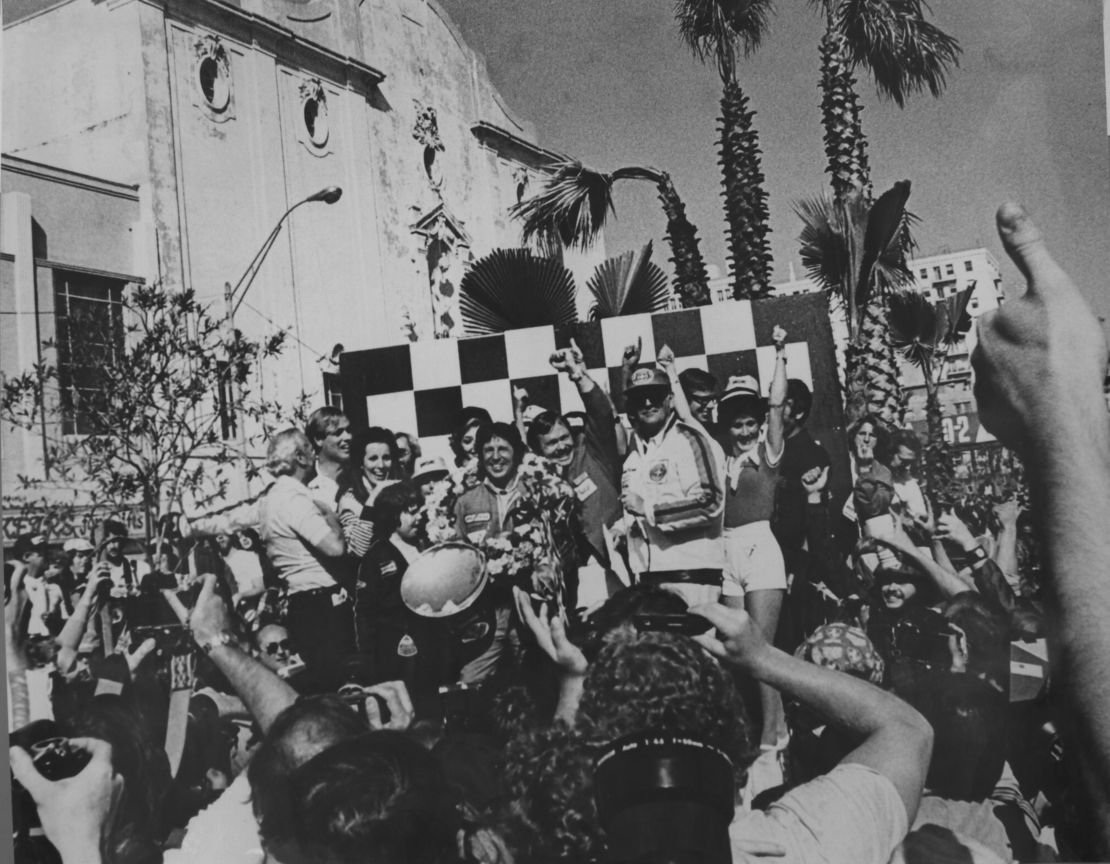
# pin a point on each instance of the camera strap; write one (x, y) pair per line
(182, 677)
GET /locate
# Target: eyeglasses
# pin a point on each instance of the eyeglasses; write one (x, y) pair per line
(272, 648)
(650, 397)
(703, 398)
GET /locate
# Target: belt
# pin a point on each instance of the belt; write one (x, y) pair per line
(316, 594)
(700, 576)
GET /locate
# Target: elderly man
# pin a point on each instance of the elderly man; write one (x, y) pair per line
(304, 542)
(672, 492)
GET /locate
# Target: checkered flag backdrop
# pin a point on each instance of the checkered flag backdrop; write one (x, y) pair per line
(420, 387)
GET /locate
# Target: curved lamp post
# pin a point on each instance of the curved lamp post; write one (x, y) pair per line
(233, 296)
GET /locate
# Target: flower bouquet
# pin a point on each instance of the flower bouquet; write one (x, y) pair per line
(524, 558)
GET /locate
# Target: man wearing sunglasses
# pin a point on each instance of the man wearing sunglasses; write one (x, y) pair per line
(672, 493)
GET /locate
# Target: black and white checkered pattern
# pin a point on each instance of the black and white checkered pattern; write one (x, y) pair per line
(420, 387)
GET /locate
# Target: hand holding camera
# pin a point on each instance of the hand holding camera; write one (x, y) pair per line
(209, 617)
(75, 809)
(738, 639)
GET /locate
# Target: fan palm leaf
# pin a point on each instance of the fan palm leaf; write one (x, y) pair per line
(628, 284)
(721, 28)
(511, 288)
(855, 249)
(904, 52)
(571, 208)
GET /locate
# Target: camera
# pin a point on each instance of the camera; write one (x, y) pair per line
(356, 695)
(672, 622)
(57, 759)
(170, 640)
(665, 798)
(924, 642)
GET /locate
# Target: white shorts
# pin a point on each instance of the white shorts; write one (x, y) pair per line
(753, 560)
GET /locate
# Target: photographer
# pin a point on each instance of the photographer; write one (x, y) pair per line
(861, 809)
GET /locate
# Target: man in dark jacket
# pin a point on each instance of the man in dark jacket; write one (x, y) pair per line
(590, 462)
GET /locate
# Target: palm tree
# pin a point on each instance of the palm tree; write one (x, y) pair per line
(904, 53)
(925, 334)
(856, 250)
(719, 29)
(628, 284)
(571, 208)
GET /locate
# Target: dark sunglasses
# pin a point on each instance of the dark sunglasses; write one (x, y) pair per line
(648, 397)
(272, 648)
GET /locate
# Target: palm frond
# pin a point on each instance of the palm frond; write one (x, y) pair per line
(628, 284)
(956, 319)
(719, 28)
(915, 326)
(904, 52)
(570, 209)
(883, 262)
(831, 234)
(511, 288)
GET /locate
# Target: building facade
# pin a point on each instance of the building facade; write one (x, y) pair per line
(212, 119)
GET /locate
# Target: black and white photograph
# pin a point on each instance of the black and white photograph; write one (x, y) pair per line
(502, 432)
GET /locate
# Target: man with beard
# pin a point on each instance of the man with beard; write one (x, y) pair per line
(590, 463)
(672, 492)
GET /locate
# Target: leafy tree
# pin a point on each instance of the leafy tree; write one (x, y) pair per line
(571, 208)
(856, 250)
(925, 334)
(158, 409)
(904, 53)
(720, 29)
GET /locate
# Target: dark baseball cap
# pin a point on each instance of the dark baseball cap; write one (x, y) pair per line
(648, 377)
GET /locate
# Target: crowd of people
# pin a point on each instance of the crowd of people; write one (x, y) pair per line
(650, 631)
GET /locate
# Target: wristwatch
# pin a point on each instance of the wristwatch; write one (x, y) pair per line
(221, 638)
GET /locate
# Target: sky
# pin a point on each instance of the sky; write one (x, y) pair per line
(1023, 118)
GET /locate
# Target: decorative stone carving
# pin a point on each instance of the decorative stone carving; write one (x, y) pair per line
(314, 112)
(426, 128)
(426, 131)
(521, 177)
(212, 78)
(447, 252)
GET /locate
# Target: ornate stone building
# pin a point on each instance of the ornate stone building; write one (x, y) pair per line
(215, 118)
(225, 114)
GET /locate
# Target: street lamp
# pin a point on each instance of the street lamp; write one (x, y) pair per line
(233, 297)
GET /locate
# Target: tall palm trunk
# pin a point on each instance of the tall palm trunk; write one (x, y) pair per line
(691, 281)
(746, 211)
(845, 143)
(936, 448)
(872, 370)
(872, 363)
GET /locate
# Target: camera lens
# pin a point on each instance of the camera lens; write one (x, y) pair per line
(665, 798)
(55, 759)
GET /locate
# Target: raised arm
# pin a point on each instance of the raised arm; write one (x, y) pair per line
(777, 399)
(601, 421)
(73, 631)
(895, 740)
(262, 691)
(1005, 547)
(1039, 368)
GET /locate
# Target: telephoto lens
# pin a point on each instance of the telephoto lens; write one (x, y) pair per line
(665, 799)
